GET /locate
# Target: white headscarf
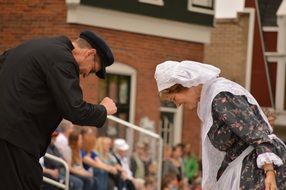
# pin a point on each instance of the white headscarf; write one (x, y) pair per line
(186, 73)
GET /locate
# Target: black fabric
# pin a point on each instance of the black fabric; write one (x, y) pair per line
(2, 58)
(18, 169)
(102, 48)
(39, 85)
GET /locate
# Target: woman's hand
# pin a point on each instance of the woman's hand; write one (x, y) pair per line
(270, 181)
(270, 177)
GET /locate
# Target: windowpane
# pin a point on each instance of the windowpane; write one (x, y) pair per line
(153, 2)
(202, 3)
(116, 87)
(167, 127)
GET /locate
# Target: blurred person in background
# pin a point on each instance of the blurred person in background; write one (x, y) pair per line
(75, 162)
(103, 148)
(55, 170)
(65, 128)
(92, 162)
(39, 86)
(146, 158)
(120, 148)
(170, 182)
(52, 169)
(191, 164)
(174, 163)
(128, 181)
(150, 183)
(270, 114)
(136, 164)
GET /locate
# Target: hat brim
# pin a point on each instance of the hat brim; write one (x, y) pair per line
(101, 73)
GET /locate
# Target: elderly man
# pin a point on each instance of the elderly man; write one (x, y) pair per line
(39, 85)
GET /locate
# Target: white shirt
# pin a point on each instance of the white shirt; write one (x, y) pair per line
(125, 166)
(61, 142)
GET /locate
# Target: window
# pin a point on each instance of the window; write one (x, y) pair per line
(153, 2)
(208, 4)
(170, 123)
(117, 87)
(201, 6)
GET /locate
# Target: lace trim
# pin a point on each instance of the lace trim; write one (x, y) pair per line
(268, 158)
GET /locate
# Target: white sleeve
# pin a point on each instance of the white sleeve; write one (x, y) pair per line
(268, 158)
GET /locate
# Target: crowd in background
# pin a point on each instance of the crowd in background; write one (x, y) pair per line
(106, 164)
(98, 162)
(181, 168)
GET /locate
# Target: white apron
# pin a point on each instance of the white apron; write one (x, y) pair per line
(230, 179)
(211, 157)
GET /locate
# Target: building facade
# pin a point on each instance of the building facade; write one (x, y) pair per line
(141, 34)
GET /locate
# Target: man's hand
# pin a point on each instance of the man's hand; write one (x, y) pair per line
(109, 105)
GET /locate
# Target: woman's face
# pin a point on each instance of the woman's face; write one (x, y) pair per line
(178, 152)
(187, 97)
(88, 139)
(107, 144)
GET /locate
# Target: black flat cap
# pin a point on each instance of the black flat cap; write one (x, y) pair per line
(102, 49)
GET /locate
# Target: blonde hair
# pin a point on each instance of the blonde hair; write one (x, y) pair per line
(100, 147)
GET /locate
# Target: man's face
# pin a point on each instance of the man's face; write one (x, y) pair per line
(121, 152)
(90, 62)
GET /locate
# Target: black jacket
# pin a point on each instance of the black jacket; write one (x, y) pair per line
(39, 85)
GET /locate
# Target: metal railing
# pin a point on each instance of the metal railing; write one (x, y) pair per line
(148, 133)
(67, 173)
(124, 123)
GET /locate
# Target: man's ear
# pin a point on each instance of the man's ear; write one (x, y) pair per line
(91, 51)
(87, 52)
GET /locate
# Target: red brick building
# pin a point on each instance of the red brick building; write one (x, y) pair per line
(251, 50)
(141, 34)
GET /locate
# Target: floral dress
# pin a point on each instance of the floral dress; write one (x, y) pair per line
(238, 124)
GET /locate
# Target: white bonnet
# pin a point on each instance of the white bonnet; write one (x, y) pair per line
(186, 73)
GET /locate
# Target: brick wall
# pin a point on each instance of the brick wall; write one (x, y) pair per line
(228, 47)
(25, 19)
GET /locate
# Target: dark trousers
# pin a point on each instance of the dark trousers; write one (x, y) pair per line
(18, 169)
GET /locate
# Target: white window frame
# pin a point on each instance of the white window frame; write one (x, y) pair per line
(178, 122)
(193, 8)
(153, 2)
(280, 58)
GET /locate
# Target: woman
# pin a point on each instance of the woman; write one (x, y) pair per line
(91, 161)
(238, 149)
(191, 163)
(75, 162)
(102, 148)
